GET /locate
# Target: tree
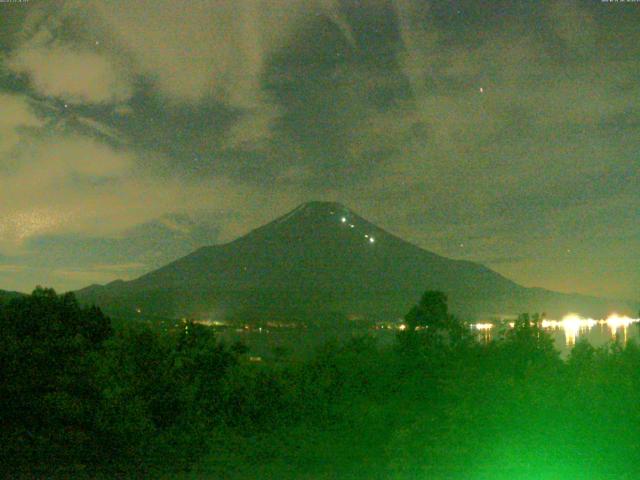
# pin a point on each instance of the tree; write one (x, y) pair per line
(430, 323)
(47, 394)
(527, 344)
(431, 312)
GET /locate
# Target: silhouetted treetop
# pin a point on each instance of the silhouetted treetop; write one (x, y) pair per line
(431, 311)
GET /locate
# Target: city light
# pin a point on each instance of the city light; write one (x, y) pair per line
(573, 325)
(483, 326)
(615, 321)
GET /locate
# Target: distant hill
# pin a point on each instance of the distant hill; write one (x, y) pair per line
(323, 262)
(6, 296)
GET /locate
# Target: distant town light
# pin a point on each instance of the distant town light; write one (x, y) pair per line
(483, 326)
(343, 219)
(615, 321)
(371, 239)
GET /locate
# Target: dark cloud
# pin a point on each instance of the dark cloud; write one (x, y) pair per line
(150, 245)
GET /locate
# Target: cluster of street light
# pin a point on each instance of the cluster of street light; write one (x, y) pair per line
(574, 325)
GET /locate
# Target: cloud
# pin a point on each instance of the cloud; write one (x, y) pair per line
(100, 129)
(63, 184)
(119, 267)
(16, 115)
(244, 108)
(419, 42)
(89, 52)
(573, 24)
(70, 74)
(192, 51)
(50, 164)
(85, 276)
(70, 261)
(527, 126)
(252, 130)
(147, 245)
(53, 182)
(24, 224)
(9, 268)
(81, 156)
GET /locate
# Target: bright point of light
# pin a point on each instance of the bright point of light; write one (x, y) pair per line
(615, 321)
(402, 327)
(483, 326)
(572, 325)
(484, 329)
(371, 239)
(351, 226)
(366, 236)
(481, 90)
(343, 219)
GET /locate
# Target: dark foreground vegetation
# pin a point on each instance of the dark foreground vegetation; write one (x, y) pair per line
(81, 398)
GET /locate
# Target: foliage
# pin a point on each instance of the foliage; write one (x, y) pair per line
(76, 399)
(79, 398)
(47, 352)
(431, 328)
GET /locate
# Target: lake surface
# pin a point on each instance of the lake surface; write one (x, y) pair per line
(266, 344)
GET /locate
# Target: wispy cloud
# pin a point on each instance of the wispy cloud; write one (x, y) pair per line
(71, 75)
(8, 268)
(16, 115)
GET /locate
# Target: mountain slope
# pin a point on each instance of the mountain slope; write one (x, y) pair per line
(322, 261)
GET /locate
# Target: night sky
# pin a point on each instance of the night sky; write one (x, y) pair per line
(504, 132)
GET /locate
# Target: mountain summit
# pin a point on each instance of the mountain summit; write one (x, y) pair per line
(321, 262)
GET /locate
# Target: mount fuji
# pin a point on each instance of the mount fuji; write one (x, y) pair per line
(323, 263)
